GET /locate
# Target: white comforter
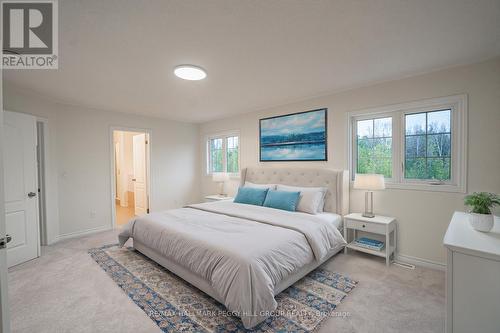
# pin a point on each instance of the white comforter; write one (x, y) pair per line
(243, 250)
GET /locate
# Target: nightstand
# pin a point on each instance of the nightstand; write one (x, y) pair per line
(380, 225)
(217, 197)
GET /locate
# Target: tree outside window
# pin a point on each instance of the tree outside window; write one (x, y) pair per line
(374, 146)
(428, 145)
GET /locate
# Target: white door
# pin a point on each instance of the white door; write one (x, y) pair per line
(140, 176)
(20, 182)
(4, 313)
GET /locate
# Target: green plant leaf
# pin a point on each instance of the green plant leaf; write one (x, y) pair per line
(482, 202)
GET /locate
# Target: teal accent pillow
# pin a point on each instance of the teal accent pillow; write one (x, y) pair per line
(284, 200)
(251, 196)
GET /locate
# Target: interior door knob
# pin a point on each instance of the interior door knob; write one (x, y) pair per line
(31, 194)
(4, 241)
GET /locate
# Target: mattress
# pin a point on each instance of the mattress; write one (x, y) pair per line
(335, 219)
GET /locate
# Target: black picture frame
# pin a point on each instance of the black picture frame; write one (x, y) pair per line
(325, 158)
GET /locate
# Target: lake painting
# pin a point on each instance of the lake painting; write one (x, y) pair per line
(294, 137)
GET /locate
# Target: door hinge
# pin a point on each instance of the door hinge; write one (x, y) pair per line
(147, 141)
(4, 241)
(147, 210)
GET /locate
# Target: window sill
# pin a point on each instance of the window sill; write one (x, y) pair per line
(232, 176)
(424, 187)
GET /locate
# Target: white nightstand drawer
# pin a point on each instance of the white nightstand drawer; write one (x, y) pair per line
(366, 226)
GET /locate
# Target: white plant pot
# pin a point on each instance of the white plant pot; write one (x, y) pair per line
(481, 222)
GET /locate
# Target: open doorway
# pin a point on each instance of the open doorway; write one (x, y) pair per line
(131, 175)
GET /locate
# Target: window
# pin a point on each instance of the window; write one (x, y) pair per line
(428, 145)
(418, 145)
(232, 154)
(223, 153)
(374, 146)
(216, 155)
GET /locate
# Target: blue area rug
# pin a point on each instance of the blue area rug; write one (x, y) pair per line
(177, 306)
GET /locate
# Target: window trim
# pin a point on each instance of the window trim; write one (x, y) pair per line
(458, 105)
(224, 136)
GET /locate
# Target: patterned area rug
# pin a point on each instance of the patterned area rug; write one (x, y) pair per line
(177, 306)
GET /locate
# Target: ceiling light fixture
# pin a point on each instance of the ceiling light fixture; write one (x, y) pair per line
(190, 72)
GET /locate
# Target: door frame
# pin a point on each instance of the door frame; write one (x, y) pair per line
(45, 227)
(4, 294)
(149, 162)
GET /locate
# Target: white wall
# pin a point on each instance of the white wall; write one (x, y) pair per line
(79, 187)
(423, 216)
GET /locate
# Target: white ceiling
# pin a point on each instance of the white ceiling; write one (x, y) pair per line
(119, 55)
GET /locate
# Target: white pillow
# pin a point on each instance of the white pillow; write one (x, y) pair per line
(311, 200)
(263, 186)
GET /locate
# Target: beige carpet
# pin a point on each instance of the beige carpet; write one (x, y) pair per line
(66, 291)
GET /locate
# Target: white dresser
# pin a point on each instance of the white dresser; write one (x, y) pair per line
(472, 277)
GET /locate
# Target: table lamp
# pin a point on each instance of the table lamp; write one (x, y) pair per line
(221, 178)
(369, 182)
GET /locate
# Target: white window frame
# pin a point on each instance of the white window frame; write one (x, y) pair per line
(458, 106)
(353, 139)
(223, 136)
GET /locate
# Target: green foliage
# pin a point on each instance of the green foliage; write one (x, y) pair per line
(427, 146)
(375, 156)
(481, 202)
(232, 160)
(217, 160)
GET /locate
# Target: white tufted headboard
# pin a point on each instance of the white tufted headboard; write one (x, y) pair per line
(336, 181)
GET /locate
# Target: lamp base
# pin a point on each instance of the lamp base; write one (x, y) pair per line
(221, 189)
(368, 203)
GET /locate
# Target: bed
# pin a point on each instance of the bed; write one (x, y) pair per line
(243, 255)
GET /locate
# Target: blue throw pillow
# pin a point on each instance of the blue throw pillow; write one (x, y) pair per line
(284, 200)
(251, 196)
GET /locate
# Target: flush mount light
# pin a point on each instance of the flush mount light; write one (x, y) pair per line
(190, 72)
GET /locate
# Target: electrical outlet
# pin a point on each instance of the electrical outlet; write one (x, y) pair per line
(92, 214)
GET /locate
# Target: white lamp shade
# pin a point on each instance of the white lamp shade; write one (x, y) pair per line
(220, 177)
(369, 182)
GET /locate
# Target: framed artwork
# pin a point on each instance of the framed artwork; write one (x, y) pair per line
(294, 137)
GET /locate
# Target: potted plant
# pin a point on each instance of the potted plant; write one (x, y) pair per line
(480, 214)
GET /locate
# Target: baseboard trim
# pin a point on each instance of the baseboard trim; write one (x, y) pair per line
(421, 262)
(81, 233)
